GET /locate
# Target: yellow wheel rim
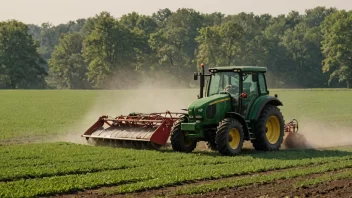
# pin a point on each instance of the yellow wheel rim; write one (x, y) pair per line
(234, 138)
(273, 129)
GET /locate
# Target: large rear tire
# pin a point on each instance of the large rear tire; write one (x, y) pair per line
(269, 130)
(229, 137)
(179, 142)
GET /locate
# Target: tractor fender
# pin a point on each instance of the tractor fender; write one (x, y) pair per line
(268, 101)
(240, 119)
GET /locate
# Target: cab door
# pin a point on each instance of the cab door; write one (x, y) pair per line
(250, 91)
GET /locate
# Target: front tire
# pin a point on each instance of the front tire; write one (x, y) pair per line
(210, 140)
(229, 137)
(269, 130)
(179, 142)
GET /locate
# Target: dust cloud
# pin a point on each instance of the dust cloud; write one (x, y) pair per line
(148, 97)
(324, 134)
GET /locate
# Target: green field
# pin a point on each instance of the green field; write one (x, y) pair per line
(57, 163)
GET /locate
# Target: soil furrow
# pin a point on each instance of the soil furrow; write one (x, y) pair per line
(165, 190)
(285, 188)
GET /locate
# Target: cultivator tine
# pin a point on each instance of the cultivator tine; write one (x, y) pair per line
(141, 131)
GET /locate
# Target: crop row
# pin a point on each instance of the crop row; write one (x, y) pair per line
(260, 179)
(52, 169)
(74, 152)
(39, 154)
(157, 176)
(325, 178)
(9, 174)
(42, 160)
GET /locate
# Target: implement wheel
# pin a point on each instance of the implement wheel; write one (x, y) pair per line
(229, 137)
(269, 130)
(178, 140)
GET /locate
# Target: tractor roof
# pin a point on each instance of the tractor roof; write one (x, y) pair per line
(242, 68)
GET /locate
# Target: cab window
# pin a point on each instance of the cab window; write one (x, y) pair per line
(262, 85)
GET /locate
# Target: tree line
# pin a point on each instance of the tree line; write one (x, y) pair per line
(309, 50)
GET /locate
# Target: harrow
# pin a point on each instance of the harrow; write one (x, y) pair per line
(139, 130)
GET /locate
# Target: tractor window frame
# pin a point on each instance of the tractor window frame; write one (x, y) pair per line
(231, 77)
(262, 84)
(209, 93)
(245, 76)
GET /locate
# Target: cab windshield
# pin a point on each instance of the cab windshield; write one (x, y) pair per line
(224, 82)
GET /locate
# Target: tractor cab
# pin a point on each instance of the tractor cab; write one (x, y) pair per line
(242, 83)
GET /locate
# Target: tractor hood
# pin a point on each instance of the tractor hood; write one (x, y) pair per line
(208, 106)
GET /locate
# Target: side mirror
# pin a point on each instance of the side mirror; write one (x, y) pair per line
(254, 77)
(195, 76)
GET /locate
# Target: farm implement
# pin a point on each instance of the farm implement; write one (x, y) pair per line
(136, 129)
(236, 108)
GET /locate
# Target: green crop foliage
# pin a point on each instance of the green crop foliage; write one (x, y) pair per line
(261, 179)
(345, 174)
(48, 168)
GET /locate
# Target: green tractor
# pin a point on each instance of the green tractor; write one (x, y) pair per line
(236, 107)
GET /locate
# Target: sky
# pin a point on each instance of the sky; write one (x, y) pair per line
(62, 11)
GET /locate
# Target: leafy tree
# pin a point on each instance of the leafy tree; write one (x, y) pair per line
(303, 44)
(134, 20)
(48, 35)
(336, 46)
(275, 53)
(161, 16)
(220, 45)
(142, 27)
(214, 19)
(251, 42)
(20, 63)
(175, 44)
(97, 50)
(67, 66)
(109, 50)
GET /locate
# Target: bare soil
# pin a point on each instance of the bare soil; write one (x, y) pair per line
(284, 188)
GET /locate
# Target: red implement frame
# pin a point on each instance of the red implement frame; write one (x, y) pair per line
(291, 127)
(160, 122)
(294, 139)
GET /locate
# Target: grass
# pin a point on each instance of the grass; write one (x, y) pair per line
(35, 113)
(28, 114)
(48, 168)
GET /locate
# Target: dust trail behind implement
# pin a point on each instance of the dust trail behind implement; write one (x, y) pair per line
(123, 102)
(321, 134)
